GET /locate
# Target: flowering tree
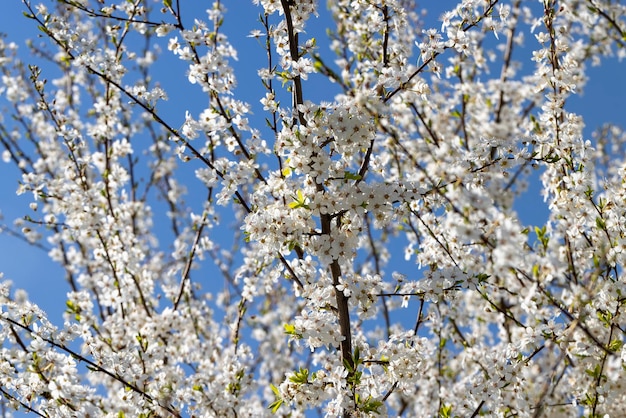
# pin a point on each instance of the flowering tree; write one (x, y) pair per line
(275, 288)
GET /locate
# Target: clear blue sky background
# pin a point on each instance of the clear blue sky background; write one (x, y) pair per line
(29, 268)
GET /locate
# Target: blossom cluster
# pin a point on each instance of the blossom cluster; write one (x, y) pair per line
(262, 251)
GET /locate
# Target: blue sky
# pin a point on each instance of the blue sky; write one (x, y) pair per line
(30, 268)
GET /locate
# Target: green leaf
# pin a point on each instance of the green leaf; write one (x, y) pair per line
(275, 405)
(445, 411)
(595, 372)
(347, 365)
(542, 236)
(167, 3)
(291, 330)
(300, 377)
(274, 389)
(442, 342)
(605, 317)
(535, 270)
(351, 176)
(292, 245)
(356, 357)
(482, 277)
(299, 201)
(615, 345)
(369, 405)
